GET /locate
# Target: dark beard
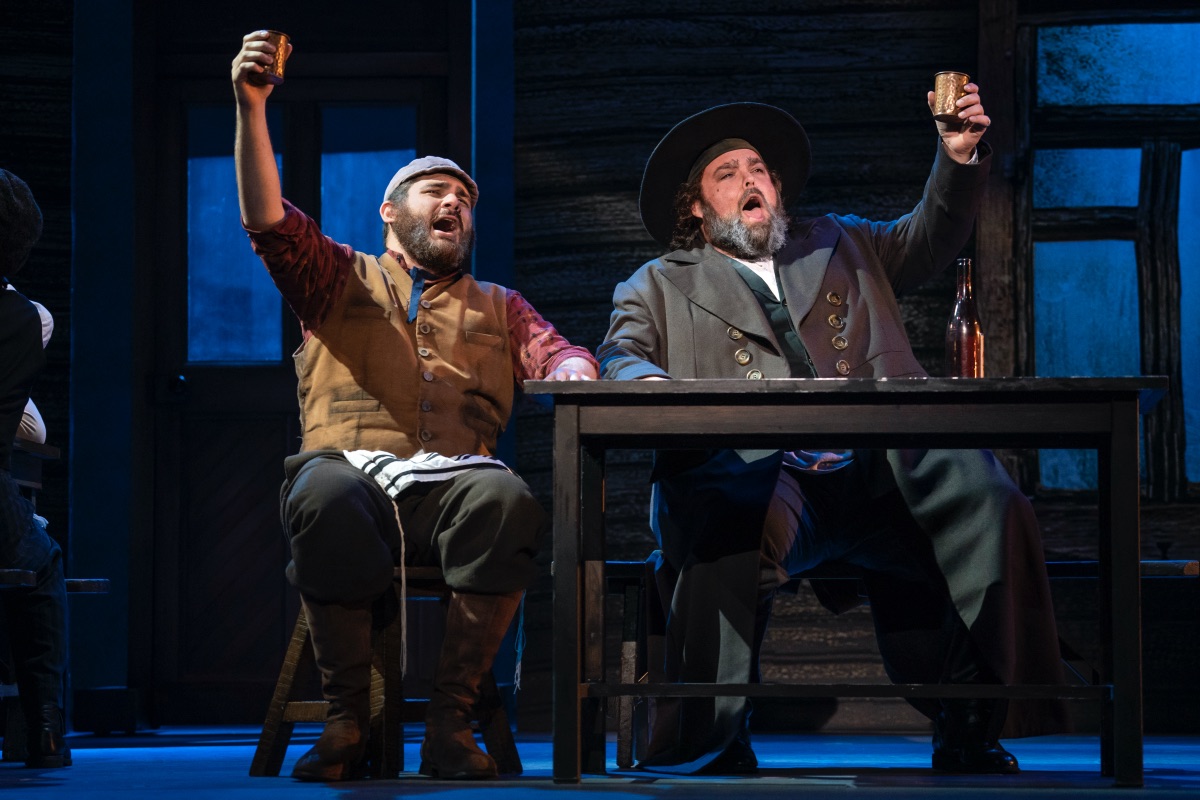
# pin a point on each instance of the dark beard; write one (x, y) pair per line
(416, 238)
(751, 243)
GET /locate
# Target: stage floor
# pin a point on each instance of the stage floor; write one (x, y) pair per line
(214, 763)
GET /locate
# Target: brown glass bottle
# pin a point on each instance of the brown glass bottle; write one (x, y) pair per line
(964, 334)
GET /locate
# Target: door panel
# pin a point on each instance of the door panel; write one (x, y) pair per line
(224, 390)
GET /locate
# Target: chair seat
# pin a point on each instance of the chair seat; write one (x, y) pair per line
(389, 706)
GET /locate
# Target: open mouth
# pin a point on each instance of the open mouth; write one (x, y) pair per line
(753, 207)
(446, 224)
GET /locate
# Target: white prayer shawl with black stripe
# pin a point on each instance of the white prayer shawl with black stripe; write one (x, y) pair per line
(395, 475)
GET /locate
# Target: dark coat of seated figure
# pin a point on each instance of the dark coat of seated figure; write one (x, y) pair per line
(36, 619)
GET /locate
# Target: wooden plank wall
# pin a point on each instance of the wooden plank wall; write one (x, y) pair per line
(598, 84)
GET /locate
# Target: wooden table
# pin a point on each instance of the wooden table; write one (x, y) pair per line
(593, 417)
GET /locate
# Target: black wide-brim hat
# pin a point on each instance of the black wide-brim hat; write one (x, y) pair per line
(774, 133)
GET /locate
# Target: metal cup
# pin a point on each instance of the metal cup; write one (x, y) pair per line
(947, 89)
(273, 74)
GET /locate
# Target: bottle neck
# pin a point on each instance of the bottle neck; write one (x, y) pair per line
(965, 290)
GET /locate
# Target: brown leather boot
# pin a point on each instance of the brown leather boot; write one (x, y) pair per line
(475, 626)
(341, 637)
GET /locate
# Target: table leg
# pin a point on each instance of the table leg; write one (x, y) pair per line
(566, 665)
(1121, 599)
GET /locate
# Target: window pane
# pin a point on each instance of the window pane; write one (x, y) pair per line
(1189, 301)
(1074, 178)
(361, 148)
(234, 311)
(1085, 324)
(1089, 65)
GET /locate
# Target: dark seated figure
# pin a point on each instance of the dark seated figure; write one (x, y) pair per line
(36, 619)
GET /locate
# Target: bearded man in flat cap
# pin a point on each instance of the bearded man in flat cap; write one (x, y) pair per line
(407, 374)
(949, 546)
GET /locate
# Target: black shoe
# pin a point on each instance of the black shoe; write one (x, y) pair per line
(986, 759)
(964, 742)
(47, 744)
(738, 759)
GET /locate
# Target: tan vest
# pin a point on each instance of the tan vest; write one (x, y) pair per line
(370, 380)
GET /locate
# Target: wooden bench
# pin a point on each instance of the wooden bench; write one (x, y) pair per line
(385, 744)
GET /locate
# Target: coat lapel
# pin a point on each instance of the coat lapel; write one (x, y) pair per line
(709, 280)
(802, 266)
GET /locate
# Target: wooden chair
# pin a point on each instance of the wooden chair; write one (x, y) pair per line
(27, 460)
(385, 744)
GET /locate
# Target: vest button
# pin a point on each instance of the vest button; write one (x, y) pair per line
(843, 367)
(743, 357)
(424, 327)
(423, 351)
(427, 375)
(834, 299)
(836, 322)
(426, 436)
(840, 343)
(754, 375)
(426, 304)
(426, 405)
(734, 333)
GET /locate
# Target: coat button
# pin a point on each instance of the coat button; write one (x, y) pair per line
(424, 327)
(843, 367)
(427, 375)
(836, 322)
(734, 333)
(743, 357)
(423, 351)
(426, 436)
(426, 405)
(754, 375)
(834, 299)
(840, 343)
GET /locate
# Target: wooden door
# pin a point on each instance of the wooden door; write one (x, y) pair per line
(224, 390)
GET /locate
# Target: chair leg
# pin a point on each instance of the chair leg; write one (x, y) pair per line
(630, 616)
(387, 706)
(277, 731)
(16, 744)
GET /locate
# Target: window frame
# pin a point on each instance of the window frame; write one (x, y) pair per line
(1162, 134)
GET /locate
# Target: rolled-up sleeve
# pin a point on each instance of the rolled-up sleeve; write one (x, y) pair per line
(537, 348)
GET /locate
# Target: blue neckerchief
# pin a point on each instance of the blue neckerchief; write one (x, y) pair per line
(418, 278)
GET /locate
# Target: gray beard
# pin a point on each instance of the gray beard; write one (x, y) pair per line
(415, 236)
(742, 241)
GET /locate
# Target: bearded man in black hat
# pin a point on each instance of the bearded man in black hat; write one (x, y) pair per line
(949, 546)
(37, 619)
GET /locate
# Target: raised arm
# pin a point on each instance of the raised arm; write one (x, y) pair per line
(259, 194)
